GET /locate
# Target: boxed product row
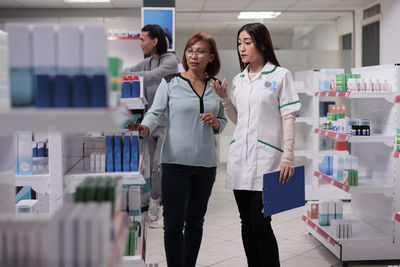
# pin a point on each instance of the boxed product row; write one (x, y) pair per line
(337, 80)
(341, 229)
(32, 153)
(338, 123)
(63, 91)
(52, 49)
(122, 152)
(325, 211)
(335, 163)
(131, 200)
(99, 190)
(130, 86)
(76, 235)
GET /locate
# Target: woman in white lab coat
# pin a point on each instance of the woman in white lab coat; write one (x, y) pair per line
(263, 104)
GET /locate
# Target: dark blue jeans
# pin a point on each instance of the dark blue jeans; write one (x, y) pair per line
(185, 191)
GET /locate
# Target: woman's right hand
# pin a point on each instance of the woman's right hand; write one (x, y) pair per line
(220, 89)
(143, 130)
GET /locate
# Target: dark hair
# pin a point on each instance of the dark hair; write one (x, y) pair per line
(212, 67)
(155, 31)
(262, 39)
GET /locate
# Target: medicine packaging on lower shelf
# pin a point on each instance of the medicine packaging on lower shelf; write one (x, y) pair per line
(32, 153)
(132, 245)
(340, 165)
(76, 235)
(341, 229)
(341, 124)
(131, 199)
(122, 152)
(329, 210)
(130, 86)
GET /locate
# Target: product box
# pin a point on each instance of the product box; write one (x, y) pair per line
(338, 209)
(27, 206)
(331, 211)
(98, 90)
(24, 153)
(118, 153)
(102, 162)
(62, 91)
(328, 79)
(338, 168)
(124, 199)
(312, 209)
(110, 153)
(44, 46)
(19, 45)
(44, 91)
(94, 47)
(323, 212)
(135, 152)
(134, 201)
(126, 158)
(126, 89)
(80, 91)
(136, 88)
(69, 48)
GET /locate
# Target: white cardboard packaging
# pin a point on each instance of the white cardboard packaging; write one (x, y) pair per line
(94, 46)
(19, 45)
(69, 46)
(44, 46)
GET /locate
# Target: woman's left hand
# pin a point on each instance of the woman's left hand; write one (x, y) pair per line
(287, 171)
(210, 120)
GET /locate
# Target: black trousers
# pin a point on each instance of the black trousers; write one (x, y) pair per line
(258, 237)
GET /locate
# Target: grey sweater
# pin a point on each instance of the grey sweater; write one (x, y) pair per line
(153, 70)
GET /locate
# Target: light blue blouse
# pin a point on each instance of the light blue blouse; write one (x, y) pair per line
(188, 140)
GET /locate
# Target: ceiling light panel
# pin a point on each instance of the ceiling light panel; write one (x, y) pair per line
(259, 15)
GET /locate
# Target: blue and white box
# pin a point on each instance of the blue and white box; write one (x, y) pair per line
(24, 161)
(118, 153)
(339, 209)
(69, 49)
(62, 91)
(80, 91)
(323, 210)
(44, 91)
(331, 211)
(135, 152)
(44, 49)
(109, 153)
(126, 158)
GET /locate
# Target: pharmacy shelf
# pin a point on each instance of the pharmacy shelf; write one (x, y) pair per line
(40, 183)
(397, 217)
(303, 153)
(362, 232)
(388, 96)
(387, 140)
(132, 261)
(306, 120)
(121, 225)
(363, 186)
(134, 103)
(73, 120)
(82, 170)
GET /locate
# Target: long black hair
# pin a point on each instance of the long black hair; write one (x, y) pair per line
(262, 39)
(155, 31)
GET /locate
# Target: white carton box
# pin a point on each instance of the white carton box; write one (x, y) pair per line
(19, 45)
(94, 47)
(69, 46)
(44, 46)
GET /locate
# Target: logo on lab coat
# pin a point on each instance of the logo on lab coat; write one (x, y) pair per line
(271, 85)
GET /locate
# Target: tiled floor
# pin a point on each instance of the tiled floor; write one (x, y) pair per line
(222, 244)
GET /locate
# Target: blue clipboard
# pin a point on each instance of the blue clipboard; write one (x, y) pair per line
(279, 197)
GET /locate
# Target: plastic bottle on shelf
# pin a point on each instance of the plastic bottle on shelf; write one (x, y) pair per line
(368, 85)
(361, 85)
(376, 86)
(384, 85)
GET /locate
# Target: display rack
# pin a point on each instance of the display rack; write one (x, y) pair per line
(377, 197)
(307, 143)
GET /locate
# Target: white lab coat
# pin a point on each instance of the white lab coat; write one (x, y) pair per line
(257, 143)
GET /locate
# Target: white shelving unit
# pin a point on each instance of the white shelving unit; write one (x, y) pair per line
(376, 236)
(307, 143)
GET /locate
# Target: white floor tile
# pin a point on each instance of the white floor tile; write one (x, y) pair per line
(301, 261)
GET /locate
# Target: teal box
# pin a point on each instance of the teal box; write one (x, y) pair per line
(323, 219)
(21, 86)
(330, 217)
(339, 216)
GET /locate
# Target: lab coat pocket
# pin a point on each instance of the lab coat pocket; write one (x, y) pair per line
(268, 157)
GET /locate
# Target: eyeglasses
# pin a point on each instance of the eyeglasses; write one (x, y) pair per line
(199, 53)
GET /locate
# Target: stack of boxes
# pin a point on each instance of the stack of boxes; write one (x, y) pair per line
(342, 79)
(57, 66)
(131, 86)
(122, 152)
(328, 79)
(329, 210)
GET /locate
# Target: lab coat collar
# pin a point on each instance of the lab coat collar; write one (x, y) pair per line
(268, 67)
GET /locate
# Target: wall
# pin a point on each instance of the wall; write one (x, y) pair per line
(322, 37)
(390, 33)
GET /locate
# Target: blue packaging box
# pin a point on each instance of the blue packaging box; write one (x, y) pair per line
(98, 91)
(323, 219)
(62, 91)
(109, 153)
(40, 149)
(21, 86)
(117, 153)
(44, 90)
(80, 91)
(126, 158)
(135, 88)
(135, 153)
(126, 89)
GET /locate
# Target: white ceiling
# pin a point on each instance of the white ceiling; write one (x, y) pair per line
(220, 16)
